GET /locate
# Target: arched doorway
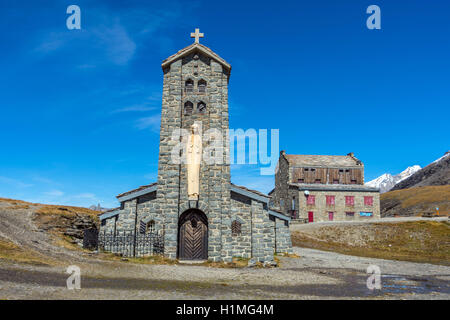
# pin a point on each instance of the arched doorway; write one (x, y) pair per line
(193, 235)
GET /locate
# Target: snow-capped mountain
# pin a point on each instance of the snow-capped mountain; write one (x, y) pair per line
(387, 181)
(436, 173)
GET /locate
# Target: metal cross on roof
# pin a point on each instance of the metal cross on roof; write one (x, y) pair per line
(197, 35)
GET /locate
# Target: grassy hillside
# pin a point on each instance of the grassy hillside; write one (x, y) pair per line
(64, 223)
(12, 252)
(416, 201)
(418, 241)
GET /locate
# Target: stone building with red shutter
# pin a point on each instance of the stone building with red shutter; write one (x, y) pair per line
(316, 188)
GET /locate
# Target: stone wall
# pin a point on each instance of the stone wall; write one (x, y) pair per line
(280, 194)
(283, 237)
(127, 216)
(263, 242)
(108, 225)
(241, 211)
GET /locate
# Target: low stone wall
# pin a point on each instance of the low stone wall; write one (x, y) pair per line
(283, 237)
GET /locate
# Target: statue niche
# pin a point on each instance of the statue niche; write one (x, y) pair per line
(193, 159)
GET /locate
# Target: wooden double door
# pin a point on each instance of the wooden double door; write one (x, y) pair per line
(193, 236)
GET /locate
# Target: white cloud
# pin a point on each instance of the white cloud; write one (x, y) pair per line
(14, 182)
(118, 44)
(152, 122)
(136, 107)
(54, 193)
(110, 43)
(86, 195)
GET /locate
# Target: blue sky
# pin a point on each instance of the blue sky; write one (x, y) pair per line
(80, 108)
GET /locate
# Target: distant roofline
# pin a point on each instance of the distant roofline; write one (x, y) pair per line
(357, 163)
(334, 187)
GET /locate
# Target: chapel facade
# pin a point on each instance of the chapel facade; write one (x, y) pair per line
(196, 209)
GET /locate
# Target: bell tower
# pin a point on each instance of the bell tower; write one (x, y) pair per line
(195, 91)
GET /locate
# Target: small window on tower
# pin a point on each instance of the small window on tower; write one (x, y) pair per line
(150, 228)
(201, 107)
(202, 86)
(189, 86)
(188, 107)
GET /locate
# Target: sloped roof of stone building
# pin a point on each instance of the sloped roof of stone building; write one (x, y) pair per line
(251, 190)
(136, 190)
(196, 47)
(322, 160)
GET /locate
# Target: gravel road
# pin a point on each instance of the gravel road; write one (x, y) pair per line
(315, 275)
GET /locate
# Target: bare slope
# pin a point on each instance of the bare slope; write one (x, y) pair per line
(42, 234)
(418, 241)
(416, 201)
(436, 173)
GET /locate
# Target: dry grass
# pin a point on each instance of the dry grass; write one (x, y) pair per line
(237, 262)
(418, 241)
(11, 252)
(52, 210)
(156, 259)
(288, 255)
(424, 199)
(16, 204)
(66, 211)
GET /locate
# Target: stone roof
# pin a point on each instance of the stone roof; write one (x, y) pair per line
(196, 47)
(136, 190)
(333, 187)
(251, 190)
(322, 160)
(276, 210)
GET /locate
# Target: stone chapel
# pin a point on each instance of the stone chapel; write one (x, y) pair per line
(195, 208)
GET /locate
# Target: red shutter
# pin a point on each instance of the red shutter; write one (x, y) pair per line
(349, 200)
(330, 200)
(368, 201)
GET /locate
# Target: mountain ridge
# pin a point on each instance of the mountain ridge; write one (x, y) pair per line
(386, 181)
(437, 173)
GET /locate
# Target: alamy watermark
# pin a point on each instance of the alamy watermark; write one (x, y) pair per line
(230, 146)
(74, 280)
(374, 20)
(374, 280)
(74, 20)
